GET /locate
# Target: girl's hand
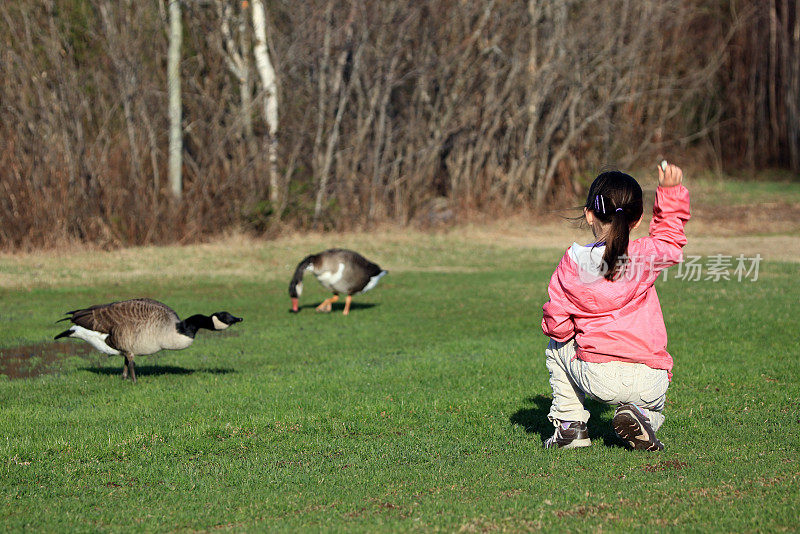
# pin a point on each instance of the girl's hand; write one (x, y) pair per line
(669, 177)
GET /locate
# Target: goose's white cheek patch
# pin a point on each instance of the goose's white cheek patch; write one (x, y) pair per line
(218, 325)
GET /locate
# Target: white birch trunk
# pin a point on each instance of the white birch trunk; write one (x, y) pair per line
(267, 74)
(174, 89)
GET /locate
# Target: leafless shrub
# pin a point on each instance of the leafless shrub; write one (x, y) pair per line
(395, 111)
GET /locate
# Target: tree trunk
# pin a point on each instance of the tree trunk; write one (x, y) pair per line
(237, 58)
(267, 74)
(174, 88)
(793, 93)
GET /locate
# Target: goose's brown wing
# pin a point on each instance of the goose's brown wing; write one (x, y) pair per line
(93, 318)
(124, 315)
(358, 269)
(359, 262)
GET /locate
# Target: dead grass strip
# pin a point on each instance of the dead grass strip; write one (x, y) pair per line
(240, 257)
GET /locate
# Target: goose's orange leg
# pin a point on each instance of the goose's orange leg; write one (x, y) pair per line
(347, 304)
(326, 304)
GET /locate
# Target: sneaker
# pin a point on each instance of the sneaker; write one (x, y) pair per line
(568, 435)
(634, 428)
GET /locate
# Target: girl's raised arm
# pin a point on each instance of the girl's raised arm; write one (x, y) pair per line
(670, 213)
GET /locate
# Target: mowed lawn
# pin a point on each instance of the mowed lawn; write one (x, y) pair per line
(425, 409)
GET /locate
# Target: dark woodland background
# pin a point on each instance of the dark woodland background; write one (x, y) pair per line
(392, 111)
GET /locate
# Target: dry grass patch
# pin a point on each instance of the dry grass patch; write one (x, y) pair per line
(246, 258)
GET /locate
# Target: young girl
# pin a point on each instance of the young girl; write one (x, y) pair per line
(607, 334)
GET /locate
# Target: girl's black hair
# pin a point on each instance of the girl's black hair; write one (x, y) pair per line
(616, 198)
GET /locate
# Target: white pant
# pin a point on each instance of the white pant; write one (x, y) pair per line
(610, 382)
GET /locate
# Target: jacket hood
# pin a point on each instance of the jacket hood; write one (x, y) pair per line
(580, 274)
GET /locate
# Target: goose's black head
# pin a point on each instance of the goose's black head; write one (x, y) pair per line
(215, 321)
(295, 290)
(222, 320)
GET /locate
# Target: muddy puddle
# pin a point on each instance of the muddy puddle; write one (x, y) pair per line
(28, 361)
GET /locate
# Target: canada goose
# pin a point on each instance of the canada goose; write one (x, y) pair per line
(138, 327)
(339, 270)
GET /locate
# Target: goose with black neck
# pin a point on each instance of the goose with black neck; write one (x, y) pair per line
(138, 327)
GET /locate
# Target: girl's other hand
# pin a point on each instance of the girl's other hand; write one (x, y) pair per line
(671, 176)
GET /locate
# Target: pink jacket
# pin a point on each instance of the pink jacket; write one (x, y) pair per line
(619, 320)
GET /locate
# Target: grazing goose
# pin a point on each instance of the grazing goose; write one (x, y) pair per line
(138, 327)
(339, 270)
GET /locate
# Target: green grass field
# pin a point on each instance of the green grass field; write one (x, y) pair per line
(425, 409)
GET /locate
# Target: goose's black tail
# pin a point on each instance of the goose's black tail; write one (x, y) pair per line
(65, 333)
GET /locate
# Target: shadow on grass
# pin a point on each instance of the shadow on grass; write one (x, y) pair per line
(156, 370)
(534, 420)
(337, 306)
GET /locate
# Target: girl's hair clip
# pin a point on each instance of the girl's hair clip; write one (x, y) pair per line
(599, 204)
(619, 209)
